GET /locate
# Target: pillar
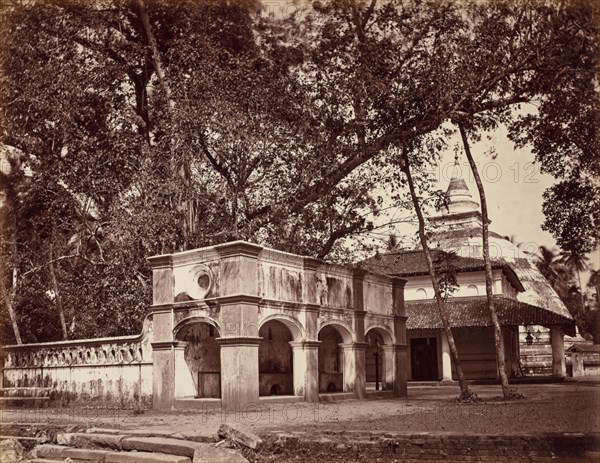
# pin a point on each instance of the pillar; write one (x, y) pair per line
(239, 371)
(164, 364)
(400, 348)
(400, 370)
(239, 350)
(306, 369)
(184, 382)
(559, 368)
(354, 368)
(389, 360)
(163, 344)
(163, 375)
(577, 362)
(446, 359)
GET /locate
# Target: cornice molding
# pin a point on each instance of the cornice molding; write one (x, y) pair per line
(305, 344)
(239, 341)
(161, 261)
(238, 248)
(236, 299)
(354, 346)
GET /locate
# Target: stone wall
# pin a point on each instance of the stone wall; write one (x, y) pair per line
(111, 370)
(425, 447)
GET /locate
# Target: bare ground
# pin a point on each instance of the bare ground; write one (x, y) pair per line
(566, 407)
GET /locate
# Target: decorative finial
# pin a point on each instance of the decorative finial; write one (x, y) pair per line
(456, 158)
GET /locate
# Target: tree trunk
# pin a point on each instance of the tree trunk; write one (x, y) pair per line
(156, 59)
(183, 169)
(581, 290)
(59, 306)
(464, 388)
(498, 340)
(8, 297)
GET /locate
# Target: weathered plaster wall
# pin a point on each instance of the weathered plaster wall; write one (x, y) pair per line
(108, 369)
(377, 295)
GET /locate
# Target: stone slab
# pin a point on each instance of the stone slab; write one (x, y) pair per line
(105, 431)
(160, 445)
(61, 452)
(84, 454)
(11, 451)
(41, 440)
(240, 436)
(143, 457)
(48, 451)
(79, 439)
(208, 453)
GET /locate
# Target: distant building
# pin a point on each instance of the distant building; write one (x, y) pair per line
(533, 318)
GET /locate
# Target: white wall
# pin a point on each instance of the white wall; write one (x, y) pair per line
(470, 284)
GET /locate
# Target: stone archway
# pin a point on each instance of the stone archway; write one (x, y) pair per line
(203, 359)
(332, 369)
(275, 359)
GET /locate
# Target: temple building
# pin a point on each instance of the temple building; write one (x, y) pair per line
(533, 318)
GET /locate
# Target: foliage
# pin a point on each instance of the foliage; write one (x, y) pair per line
(216, 123)
(561, 270)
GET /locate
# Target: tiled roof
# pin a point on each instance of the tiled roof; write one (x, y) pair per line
(473, 311)
(413, 262)
(538, 291)
(584, 347)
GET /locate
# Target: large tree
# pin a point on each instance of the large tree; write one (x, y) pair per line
(165, 126)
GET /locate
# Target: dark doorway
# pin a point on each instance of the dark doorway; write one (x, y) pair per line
(423, 359)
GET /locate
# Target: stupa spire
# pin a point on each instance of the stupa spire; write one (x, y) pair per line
(459, 196)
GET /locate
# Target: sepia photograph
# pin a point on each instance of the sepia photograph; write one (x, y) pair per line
(296, 231)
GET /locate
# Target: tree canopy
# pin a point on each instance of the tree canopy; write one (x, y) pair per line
(137, 128)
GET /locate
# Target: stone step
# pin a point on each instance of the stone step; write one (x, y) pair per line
(128, 447)
(60, 452)
(39, 440)
(187, 435)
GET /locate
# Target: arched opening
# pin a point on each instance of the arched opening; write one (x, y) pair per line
(275, 359)
(331, 360)
(203, 358)
(374, 360)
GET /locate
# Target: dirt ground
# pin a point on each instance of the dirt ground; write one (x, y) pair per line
(564, 407)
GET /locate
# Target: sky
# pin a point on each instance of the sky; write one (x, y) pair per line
(514, 187)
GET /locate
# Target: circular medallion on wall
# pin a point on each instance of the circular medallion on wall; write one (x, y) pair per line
(200, 281)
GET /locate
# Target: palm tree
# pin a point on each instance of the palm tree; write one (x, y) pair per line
(551, 266)
(576, 263)
(547, 263)
(594, 283)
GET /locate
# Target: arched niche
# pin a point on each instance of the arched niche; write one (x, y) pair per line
(331, 357)
(275, 359)
(202, 356)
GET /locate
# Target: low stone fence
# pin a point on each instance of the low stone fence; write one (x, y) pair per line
(425, 447)
(112, 370)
